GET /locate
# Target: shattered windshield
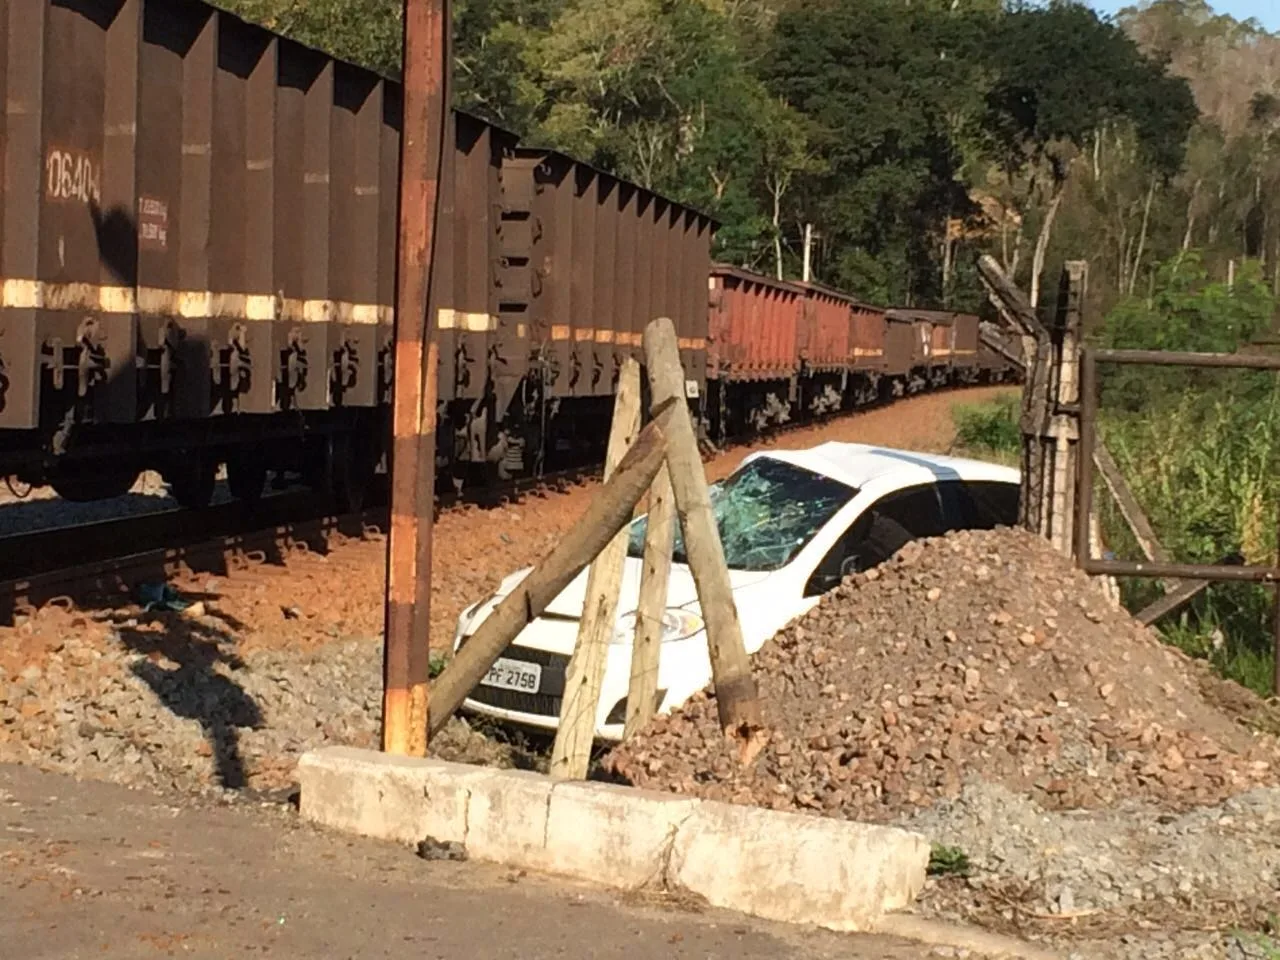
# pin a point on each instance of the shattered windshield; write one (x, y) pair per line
(766, 513)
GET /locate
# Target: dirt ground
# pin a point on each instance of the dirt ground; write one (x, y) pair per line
(94, 870)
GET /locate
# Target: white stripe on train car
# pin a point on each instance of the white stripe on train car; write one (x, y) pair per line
(469, 322)
(25, 294)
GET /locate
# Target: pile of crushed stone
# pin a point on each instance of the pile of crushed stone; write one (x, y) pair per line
(981, 654)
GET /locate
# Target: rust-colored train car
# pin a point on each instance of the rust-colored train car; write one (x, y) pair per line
(965, 365)
(753, 326)
(919, 346)
(966, 336)
(197, 246)
(824, 348)
(824, 332)
(753, 361)
(866, 336)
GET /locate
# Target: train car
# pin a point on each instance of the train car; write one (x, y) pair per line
(606, 257)
(823, 347)
(197, 239)
(902, 349)
(965, 364)
(866, 354)
(753, 366)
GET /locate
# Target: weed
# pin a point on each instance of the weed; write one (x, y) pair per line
(945, 861)
(989, 429)
(436, 665)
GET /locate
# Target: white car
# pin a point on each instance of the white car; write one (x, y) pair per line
(793, 523)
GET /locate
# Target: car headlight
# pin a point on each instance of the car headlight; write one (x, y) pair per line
(677, 624)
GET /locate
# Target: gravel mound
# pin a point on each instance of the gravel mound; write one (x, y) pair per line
(975, 654)
(1111, 797)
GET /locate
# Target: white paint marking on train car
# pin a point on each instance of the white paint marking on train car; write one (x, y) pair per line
(467, 322)
(25, 294)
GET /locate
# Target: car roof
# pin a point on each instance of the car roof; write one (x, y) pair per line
(860, 465)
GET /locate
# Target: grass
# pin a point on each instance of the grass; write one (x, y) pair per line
(1264, 944)
(945, 861)
(1203, 461)
(989, 431)
(1201, 455)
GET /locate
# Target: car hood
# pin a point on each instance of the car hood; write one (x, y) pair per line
(681, 590)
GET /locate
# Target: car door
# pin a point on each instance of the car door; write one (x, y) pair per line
(913, 513)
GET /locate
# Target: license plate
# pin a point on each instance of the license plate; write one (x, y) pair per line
(514, 675)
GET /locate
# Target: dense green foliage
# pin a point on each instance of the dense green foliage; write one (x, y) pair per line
(910, 134)
(1201, 451)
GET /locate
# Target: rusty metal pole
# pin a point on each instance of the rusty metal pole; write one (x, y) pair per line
(406, 655)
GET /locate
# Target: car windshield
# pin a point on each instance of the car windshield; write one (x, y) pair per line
(766, 512)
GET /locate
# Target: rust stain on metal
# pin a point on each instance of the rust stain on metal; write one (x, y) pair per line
(414, 389)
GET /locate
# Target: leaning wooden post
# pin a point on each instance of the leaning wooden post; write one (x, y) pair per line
(1037, 400)
(736, 696)
(571, 753)
(646, 651)
(610, 511)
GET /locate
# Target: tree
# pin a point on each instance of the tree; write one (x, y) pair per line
(367, 32)
(1064, 76)
(495, 72)
(889, 90)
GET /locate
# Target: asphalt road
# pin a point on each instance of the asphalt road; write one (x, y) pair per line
(93, 870)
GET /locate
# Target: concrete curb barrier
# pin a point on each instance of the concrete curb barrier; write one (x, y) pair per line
(786, 867)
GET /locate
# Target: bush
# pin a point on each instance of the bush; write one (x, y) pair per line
(989, 428)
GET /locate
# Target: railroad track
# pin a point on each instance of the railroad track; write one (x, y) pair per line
(106, 560)
(114, 575)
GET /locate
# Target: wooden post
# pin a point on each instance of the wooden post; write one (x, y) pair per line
(610, 511)
(659, 539)
(1064, 422)
(406, 654)
(1132, 512)
(1050, 418)
(571, 752)
(736, 697)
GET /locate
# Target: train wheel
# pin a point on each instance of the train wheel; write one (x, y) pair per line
(191, 479)
(246, 476)
(353, 463)
(101, 484)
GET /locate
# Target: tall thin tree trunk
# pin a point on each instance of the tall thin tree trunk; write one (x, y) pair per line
(1017, 249)
(1125, 260)
(1042, 241)
(948, 267)
(1142, 241)
(1191, 217)
(777, 231)
(1004, 239)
